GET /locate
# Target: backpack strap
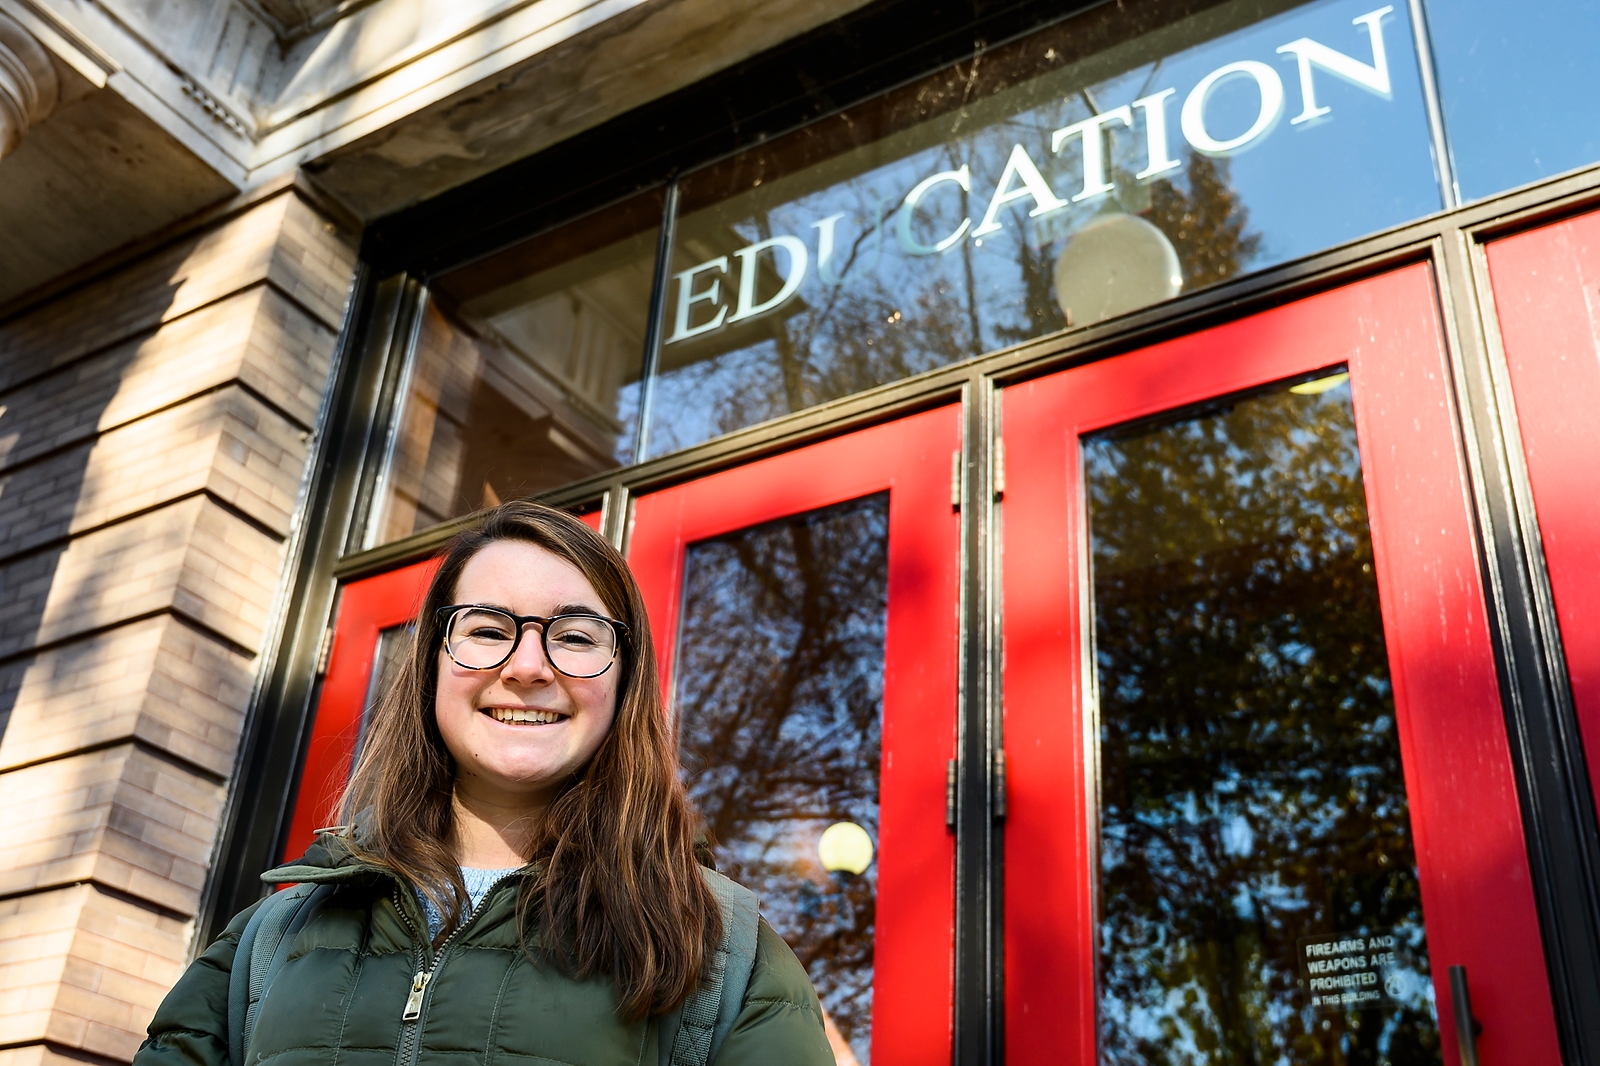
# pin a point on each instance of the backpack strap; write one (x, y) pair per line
(711, 1010)
(259, 956)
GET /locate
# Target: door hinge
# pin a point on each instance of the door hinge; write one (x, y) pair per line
(1000, 786)
(950, 771)
(325, 651)
(955, 480)
(999, 468)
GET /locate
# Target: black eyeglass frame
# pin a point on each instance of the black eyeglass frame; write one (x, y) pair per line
(447, 613)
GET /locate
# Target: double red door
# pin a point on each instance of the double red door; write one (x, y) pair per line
(1259, 793)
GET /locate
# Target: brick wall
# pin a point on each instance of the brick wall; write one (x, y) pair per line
(154, 427)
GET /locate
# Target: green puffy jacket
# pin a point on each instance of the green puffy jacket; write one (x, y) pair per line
(339, 997)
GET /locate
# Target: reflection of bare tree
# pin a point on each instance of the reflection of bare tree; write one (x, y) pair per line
(975, 337)
(1206, 225)
(1251, 787)
(790, 359)
(779, 698)
(1037, 310)
(1041, 310)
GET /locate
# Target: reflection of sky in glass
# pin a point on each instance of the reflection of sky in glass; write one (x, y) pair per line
(1361, 168)
(1519, 84)
(1251, 791)
(779, 699)
(878, 303)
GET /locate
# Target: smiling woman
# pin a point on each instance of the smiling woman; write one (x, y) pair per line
(518, 725)
(518, 875)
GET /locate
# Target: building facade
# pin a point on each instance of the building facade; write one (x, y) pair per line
(1114, 484)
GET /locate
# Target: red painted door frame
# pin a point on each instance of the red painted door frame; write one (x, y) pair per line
(914, 945)
(1476, 889)
(1547, 295)
(366, 608)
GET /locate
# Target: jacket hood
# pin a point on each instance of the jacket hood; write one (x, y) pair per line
(328, 859)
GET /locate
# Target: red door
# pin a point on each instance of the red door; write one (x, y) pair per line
(1547, 294)
(1261, 797)
(805, 612)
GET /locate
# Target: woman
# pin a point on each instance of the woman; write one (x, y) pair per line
(517, 882)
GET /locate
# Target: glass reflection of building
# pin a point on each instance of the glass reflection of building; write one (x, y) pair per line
(1100, 181)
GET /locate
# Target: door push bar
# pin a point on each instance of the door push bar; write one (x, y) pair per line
(1467, 1027)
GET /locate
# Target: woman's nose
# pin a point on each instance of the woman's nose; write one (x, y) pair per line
(529, 663)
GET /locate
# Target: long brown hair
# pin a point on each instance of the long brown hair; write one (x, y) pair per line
(615, 887)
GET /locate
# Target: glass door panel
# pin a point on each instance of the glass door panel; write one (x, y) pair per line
(804, 609)
(1253, 813)
(1546, 282)
(1261, 798)
(779, 699)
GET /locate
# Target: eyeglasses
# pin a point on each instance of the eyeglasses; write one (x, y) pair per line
(485, 638)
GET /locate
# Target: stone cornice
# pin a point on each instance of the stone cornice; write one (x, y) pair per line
(29, 88)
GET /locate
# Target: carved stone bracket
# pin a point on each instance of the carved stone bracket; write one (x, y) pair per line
(29, 88)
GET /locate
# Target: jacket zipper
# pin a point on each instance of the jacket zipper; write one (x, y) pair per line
(411, 1017)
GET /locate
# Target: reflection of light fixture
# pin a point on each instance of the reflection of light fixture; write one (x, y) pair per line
(1320, 385)
(1113, 265)
(845, 847)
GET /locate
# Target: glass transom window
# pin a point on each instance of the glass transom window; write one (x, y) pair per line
(1107, 163)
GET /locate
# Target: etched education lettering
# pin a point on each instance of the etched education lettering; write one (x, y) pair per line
(699, 291)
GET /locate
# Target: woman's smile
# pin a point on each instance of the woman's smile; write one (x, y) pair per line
(525, 716)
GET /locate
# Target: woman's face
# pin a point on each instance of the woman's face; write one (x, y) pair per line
(514, 763)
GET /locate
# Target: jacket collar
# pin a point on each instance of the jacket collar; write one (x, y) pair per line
(329, 860)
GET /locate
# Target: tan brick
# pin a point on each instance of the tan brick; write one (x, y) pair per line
(120, 816)
(158, 680)
(100, 966)
(191, 556)
(97, 580)
(314, 260)
(268, 241)
(226, 442)
(256, 337)
(35, 1055)
(152, 446)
